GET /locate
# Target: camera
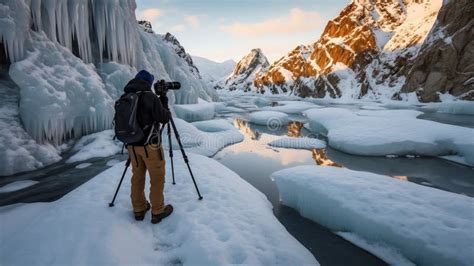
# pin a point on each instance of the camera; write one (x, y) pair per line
(162, 87)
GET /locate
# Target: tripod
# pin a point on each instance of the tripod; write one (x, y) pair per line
(185, 158)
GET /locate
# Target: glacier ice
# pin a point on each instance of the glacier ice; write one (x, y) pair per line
(428, 226)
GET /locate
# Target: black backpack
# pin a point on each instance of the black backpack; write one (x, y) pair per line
(127, 128)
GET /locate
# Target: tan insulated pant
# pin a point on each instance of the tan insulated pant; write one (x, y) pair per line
(151, 159)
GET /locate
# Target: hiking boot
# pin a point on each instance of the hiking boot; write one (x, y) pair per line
(156, 218)
(139, 216)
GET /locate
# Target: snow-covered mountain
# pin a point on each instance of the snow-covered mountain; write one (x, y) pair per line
(363, 52)
(245, 72)
(212, 71)
(368, 52)
(445, 63)
(68, 61)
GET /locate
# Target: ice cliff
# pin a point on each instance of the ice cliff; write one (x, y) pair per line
(71, 59)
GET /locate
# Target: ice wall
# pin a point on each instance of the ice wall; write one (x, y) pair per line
(72, 58)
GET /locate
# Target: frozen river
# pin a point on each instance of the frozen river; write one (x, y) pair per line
(254, 161)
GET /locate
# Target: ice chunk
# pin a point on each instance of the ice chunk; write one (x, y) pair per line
(233, 224)
(18, 185)
(195, 112)
(454, 107)
(390, 132)
(291, 107)
(95, 145)
(298, 143)
(83, 165)
(217, 125)
(428, 226)
(57, 93)
(271, 119)
(115, 76)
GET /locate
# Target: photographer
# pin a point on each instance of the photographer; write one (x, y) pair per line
(147, 153)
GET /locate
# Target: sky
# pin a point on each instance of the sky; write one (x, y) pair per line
(228, 29)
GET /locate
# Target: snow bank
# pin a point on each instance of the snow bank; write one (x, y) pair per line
(298, 143)
(271, 119)
(195, 112)
(18, 185)
(233, 224)
(214, 125)
(291, 107)
(427, 225)
(97, 145)
(390, 132)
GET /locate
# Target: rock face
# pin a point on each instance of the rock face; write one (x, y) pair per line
(445, 63)
(245, 72)
(382, 49)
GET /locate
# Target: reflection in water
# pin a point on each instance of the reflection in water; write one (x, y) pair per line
(244, 127)
(294, 129)
(401, 177)
(320, 157)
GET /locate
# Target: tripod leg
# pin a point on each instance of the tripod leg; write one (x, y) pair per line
(185, 157)
(171, 152)
(127, 164)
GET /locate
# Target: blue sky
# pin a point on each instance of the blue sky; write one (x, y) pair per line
(229, 29)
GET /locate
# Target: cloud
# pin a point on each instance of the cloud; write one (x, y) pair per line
(150, 14)
(178, 28)
(298, 21)
(193, 21)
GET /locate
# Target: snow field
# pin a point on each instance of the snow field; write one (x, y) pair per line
(428, 226)
(298, 143)
(96, 145)
(271, 119)
(233, 224)
(390, 132)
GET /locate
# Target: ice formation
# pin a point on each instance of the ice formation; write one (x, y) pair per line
(195, 112)
(428, 226)
(390, 132)
(71, 60)
(291, 107)
(298, 143)
(233, 224)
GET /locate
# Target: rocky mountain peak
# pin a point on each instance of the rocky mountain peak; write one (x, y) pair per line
(245, 71)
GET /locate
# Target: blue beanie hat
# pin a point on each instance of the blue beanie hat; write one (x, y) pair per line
(146, 76)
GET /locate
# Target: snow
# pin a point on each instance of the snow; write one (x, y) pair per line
(96, 145)
(233, 224)
(298, 143)
(212, 71)
(428, 226)
(390, 132)
(18, 185)
(214, 136)
(272, 119)
(291, 107)
(83, 165)
(195, 112)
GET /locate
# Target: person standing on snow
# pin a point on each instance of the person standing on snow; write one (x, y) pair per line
(147, 154)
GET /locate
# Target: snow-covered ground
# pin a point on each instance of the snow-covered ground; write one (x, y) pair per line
(390, 132)
(298, 143)
(426, 225)
(233, 224)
